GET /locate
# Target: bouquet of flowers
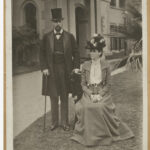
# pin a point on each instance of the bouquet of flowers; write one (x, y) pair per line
(95, 98)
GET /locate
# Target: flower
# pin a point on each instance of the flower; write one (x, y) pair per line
(92, 41)
(95, 35)
(102, 40)
(96, 42)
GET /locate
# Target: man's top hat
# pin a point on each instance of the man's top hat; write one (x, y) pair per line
(56, 14)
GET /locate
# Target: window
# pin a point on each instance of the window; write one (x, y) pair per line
(117, 43)
(123, 43)
(113, 3)
(120, 44)
(121, 28)
(113, 42)
(125, 21)
(30, 15)
(122, 3)
(113, 28)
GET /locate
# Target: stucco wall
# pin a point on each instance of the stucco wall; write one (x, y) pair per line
(116, 16)
(18, 13)
(44, 24)
(105, 25)
(48, 5)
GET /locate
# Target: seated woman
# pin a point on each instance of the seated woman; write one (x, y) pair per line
(97, 122)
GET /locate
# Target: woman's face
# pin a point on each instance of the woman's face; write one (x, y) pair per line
(95, 54)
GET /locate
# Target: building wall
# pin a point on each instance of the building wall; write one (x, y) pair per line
(72, 4)
(19, 18)
(48, 5)
(44, 13)
(106, 15)
(116, 16)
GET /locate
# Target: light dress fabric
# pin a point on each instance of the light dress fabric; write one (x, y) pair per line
(98, 123)
(95, 72)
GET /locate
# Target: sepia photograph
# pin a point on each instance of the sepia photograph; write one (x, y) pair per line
(78, 74)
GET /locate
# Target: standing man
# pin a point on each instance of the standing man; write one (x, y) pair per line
(59, 57)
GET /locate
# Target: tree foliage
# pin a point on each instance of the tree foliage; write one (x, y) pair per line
(25, 41)
(24, 38)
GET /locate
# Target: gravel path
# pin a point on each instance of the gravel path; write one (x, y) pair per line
(127, 95)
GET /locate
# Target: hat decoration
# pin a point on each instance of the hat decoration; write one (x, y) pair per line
(96, 42)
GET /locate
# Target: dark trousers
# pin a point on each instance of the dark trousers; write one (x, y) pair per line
(61, 86)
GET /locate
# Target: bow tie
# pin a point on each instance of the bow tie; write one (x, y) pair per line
(58, 33)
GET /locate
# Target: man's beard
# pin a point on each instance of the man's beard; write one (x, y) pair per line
(58, 28)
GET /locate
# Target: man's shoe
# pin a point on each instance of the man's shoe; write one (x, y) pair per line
(66, 127)
(53, 127)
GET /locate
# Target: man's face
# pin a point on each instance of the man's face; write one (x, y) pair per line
(57, 25)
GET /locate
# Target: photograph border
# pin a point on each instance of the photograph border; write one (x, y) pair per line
(5, 113)
(4, 70)
(148, 68)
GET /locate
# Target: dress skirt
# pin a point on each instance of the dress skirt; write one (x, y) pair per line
(97, 123)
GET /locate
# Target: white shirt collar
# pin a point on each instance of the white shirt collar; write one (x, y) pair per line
(61, 31)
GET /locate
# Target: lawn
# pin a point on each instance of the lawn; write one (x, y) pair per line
(127, 96)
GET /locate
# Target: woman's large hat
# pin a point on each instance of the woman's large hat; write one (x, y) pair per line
(56, 14)
(96, 42)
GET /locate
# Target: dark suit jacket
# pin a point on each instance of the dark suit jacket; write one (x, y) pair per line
(71, 55)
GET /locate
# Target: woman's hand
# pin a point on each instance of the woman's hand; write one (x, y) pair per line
(96, 98)
(99, 97)
(93, 98)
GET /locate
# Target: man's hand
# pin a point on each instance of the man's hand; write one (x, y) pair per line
(46, 72)
(76, 70)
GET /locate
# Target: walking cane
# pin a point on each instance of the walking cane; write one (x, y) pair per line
(45, 104)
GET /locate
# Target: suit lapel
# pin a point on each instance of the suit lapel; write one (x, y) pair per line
(65, 39)
(52, 41)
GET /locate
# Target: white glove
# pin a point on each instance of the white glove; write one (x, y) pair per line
(76, 70)
(46, 72)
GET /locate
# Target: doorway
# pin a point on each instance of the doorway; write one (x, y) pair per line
(30, 16)
(82, 29)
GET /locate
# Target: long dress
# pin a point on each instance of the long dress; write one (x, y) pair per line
(98, 123)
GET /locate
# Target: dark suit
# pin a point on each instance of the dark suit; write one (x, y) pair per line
(58, 80)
